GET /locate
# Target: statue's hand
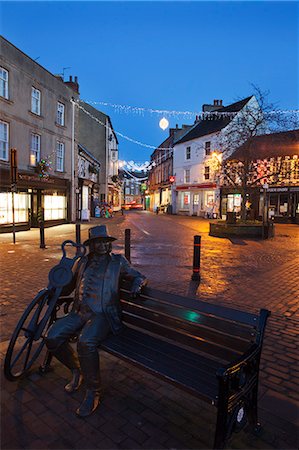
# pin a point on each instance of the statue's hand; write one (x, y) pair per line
(135, 292)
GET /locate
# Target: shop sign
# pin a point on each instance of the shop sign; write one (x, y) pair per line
(171, 179)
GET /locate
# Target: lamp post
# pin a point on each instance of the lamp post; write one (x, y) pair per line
(265, 208)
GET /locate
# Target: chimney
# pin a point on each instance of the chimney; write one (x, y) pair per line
(217, 104)
(73, 84)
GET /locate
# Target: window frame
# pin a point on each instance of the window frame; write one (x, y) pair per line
(33, 150)
(37, 99)
(187, 178)
(207, 172)
(207, 148)
(7, 141)
(188, 153)
(5, 83)
(60, 145)
(60, 116)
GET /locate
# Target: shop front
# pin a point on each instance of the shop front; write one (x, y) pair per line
(198, 200)
(33, 197)
(282, 203)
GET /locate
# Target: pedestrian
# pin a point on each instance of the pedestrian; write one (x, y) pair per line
(95, 314)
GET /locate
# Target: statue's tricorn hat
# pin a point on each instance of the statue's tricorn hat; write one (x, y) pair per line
(98, 233)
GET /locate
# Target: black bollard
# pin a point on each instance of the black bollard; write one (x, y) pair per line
(196, 259)
(128, 244)
(78, 233)
(42, 229)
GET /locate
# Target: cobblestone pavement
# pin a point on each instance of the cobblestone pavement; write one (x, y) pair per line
(139, 411)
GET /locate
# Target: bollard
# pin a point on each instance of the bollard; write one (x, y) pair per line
(78, 233)
(128, 244)
(196, 259)
(42, 234)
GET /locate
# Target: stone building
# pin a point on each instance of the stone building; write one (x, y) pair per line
(96, 134)
(37, 118)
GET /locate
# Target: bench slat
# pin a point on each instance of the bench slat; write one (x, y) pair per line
(198, 305)
(181, 354)
(191, 328)
(162, 368)
(204, 319)
(225, 354)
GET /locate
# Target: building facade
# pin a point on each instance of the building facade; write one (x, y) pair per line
(198, 156)
(37, 118)
(161, 178)
(96, 134)
(272, 178)
(88, 184)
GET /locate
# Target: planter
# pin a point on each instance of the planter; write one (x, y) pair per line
(249, 230)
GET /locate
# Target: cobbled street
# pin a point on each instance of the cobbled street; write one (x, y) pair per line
(139, 411)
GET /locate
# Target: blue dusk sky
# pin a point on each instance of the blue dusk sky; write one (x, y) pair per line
(161, 55)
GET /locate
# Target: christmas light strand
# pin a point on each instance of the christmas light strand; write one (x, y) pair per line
(118, 133)
(127, 109)
(135, 178)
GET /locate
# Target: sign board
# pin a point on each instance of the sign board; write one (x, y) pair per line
(171, 179)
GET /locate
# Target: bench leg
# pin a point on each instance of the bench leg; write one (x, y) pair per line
(220, 432)
(253, 412)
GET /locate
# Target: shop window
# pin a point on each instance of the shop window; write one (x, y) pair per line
(60, 114)
(35, 149)
(55, 207)
(60, 157)
(21, 206)
(35, 100)
(187, 176)
(3, 82)
(186, 199)
(4, 133)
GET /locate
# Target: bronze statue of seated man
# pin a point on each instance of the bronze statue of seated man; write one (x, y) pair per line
(96, 313)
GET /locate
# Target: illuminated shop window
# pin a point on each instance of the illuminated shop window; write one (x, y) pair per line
(22, 204)
(55, 207)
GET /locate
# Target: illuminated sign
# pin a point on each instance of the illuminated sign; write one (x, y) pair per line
(172, 179)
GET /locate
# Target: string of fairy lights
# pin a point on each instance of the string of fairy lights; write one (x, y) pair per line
(45, 164)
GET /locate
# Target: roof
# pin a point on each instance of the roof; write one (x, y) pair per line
(88, 153)
(99, 115)
(213, 122)
(169, 141)
(285, 143)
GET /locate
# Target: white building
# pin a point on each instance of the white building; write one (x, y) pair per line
(198, 154)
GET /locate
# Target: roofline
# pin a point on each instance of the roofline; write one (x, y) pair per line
(89, 154)
(42, 67)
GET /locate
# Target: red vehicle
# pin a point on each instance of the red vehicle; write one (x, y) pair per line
(132, 205)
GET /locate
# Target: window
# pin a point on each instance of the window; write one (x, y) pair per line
(187, 176)
(3, 140)
(35, 101)
(188, 152)
(60, 157)
(35, 149)
(60, 114)
(207, 172)
(54, 207)
(208, 147)
(3, 82)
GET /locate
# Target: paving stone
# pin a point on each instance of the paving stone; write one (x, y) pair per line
(167, 417)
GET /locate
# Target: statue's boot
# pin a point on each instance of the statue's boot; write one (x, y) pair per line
(67, 356)
(91, 374)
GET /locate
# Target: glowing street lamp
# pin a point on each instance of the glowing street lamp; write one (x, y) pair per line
(164, 123)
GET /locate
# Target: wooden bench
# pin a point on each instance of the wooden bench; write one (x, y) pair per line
(210, 351)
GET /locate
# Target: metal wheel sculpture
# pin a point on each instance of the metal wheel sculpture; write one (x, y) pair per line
(27, 340)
